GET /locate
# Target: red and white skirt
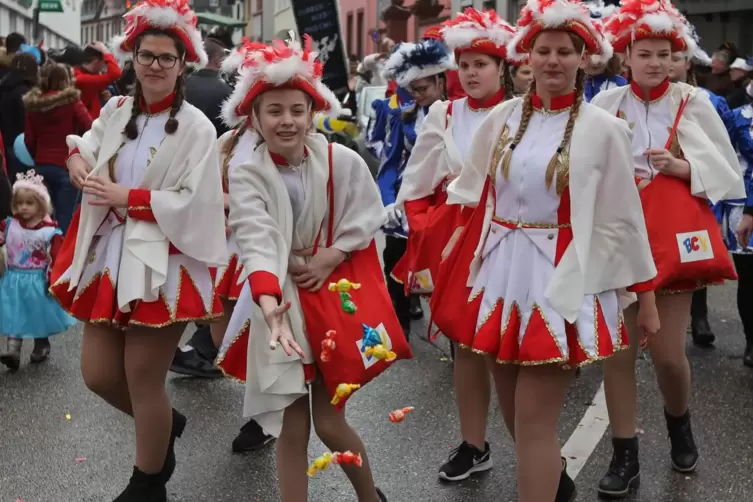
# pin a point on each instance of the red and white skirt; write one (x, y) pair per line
(228, 277)
(188, 294)
(517, 325)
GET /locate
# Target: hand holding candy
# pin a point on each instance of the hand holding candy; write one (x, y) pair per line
(328, 346)
(398, 416)
(343, 391)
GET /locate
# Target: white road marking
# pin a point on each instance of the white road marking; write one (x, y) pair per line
(587, 434)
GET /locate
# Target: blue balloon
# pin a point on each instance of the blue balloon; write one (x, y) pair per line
(20, 151)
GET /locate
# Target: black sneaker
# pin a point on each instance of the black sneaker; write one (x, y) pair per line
(624, 474)
(416, 310)
(252, 437)
(684, 452)
(203, 343)
(464, 461)
(192, 364)
(700, 330)
(41, 350)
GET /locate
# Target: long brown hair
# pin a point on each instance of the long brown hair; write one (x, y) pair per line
(131, 129)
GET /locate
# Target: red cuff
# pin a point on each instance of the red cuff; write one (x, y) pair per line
(264, 283)
(637, 180)
(417, 212)
(642, 287)
(140, 205)
(71, 154)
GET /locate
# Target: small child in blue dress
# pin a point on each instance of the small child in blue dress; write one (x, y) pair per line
(31, 241)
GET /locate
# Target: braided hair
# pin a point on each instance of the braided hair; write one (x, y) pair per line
(559, 164)
(131, 129)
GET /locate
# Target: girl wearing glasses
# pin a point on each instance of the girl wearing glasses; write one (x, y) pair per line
(479, 41)
(677, 135)
(418, 68)
(135, 266)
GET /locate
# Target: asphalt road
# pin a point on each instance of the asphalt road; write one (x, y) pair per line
(47, 457)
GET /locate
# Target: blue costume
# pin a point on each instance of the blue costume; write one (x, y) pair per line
(731, 211)
(26, 309)
(386, 141)
(596, 84)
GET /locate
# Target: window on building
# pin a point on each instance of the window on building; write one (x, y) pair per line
(359, 34)
(349, 32)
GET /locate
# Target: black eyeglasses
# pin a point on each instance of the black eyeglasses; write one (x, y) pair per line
(165, 61)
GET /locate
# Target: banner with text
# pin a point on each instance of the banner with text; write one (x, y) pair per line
(320, 20)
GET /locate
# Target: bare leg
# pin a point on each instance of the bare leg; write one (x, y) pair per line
(148, 354)
(337, 435)
(292, 452)
(219, 327)
(472, 395)
(505, 381)
(620, 385)
(668, 352)
(102, 365)
(539, 397)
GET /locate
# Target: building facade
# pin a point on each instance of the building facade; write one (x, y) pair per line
(284, 20)
(102, 19)
(358, 20)
(56, 29)
(717, 21)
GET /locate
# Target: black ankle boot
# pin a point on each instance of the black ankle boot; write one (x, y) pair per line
(684, 451)
(700, 329)
(144, 488)
(566, 492)
(179, 424)
(624, 474)
(382, 497)
(748, 355)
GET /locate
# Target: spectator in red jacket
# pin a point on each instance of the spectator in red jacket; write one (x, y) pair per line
(53, 111)
(99, 70)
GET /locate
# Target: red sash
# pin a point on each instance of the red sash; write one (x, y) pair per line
(685, 239)
(351, 323)
(452, 309)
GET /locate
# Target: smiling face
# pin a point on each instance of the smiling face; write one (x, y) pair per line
(479, 74)
(650, 61)
(158, 64)
(284, 118)
(555, 60)
(679, 67)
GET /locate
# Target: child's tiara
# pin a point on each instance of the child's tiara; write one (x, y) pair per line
(31, 181)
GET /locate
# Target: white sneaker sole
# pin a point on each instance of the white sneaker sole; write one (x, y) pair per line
(483, 466)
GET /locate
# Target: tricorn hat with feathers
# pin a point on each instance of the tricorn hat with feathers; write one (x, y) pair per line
(411, 61)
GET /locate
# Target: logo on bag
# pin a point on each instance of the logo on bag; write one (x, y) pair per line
(371, 360)
(694, 246)
(421, 282)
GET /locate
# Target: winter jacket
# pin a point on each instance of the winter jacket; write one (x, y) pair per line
(12, 114)
(91, 85)
(50, 117)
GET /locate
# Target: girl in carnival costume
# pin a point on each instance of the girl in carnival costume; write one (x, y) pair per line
(683, 70)
(553, 237)
(32, 241)
(135, 265)
(276, 217)
(479, 42)
(601, 76)
(420, 69)
(737, 225)
(677, 134)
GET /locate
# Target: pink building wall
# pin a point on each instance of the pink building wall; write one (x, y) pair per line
(350, 9)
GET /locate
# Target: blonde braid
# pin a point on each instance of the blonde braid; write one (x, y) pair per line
(227, 151)
(524, 120)
(560, 163)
